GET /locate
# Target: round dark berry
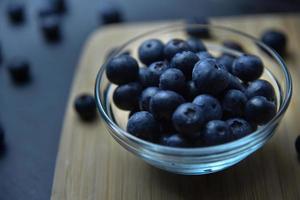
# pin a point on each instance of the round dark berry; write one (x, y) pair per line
(126, 97)
(188, 119)
(239, 128)
(197, 31)
(261, 88)
(143, 125)
(155, 71)
(230, 44)
(210, 107)
(146, 96)
(164, 103)
(216, 132)
(210, 77)
(227, 61)
(191, 91)
(172, 79)
(151, 51)
(259, 110)
(145, 78)
(276, 40)
(248, 67)
(175, 46)
(185, 61)
(16, 12)
(297, 144)
(19, 70)
(233, 103)
(202, 55)
(196, 45)
(235, 83)
(174, 140)
(110, 14)
(122, 69)
(85, 107)
(50, 27)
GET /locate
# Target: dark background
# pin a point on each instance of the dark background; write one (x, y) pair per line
(32, 114)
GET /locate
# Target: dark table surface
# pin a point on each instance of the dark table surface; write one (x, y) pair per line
(32, 114)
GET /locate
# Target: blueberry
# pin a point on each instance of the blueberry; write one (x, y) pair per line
(210, 77)
(248, 67)
(188, 119)
(233, 103)
(126, 97)
(146, 96)
(210, 107)
(19, 70)
(204, 55)
(150, 51)
(50, 27)
(164, 103)
(122, 69)
(197, 31)
(276, 40)
(191, 91)
(172, 79)
(235, 83)
(143, 125)
(175, 46)
(155, 71)
(85, 107)
(174, 140)
(110, 14)
(59, 5)
(230, 44)
(239, 128)
(216, 132)
(185, 61)
(261, 88)
(227, 61)
(16, 12)
(145, 78)
(259, 110)
(297, 144)
(196, 45)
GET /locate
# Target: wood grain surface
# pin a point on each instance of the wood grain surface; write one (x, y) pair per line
(91, 165)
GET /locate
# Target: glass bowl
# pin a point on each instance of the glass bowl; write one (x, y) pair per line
(200, 160)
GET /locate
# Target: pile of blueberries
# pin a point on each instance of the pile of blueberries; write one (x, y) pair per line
(185, 97)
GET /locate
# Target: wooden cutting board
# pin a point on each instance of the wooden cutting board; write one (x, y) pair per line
(91, 165)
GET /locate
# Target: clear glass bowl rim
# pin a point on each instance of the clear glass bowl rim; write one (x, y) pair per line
(222, 148)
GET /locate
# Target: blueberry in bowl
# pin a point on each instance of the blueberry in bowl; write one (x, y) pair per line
(191, 114)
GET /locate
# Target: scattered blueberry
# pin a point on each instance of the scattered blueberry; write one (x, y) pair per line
(146, 96)
(175, 46)
(126, 97)
(227, 61)
(50, 27)
(204, 55)
(174, 140)
(259, 110)
(233, 103)
(145, 77)
(210, 107)
(261, 88)
(216, 132)
(276, 40)
(185, 61)
(197, 31)
(210, 77)
(297, 145)
(110, 14)
(230, 44)
(122, 69)
(172, 79)
(16, 12)
(143, 125)
(156, 69)
(85, 107)
(150, 51)
(248, 67)
(191, 91)
(19, 70)
(164, 103)
(196, 45)
(188, 119)
(239, 128)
